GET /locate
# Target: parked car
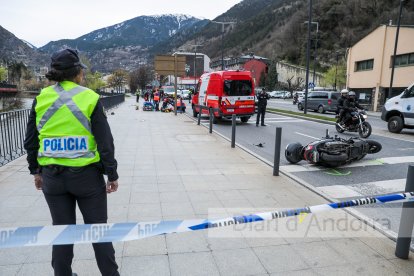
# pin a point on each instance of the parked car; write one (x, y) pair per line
(279, 94)
(183, 93)
(300, 94)
(321, 101)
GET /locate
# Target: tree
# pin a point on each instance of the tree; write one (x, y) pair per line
(3, 73)
(118, 78)
(335, 73)
(144, 76)
(16, 71)
(272, 80)
(139, 78)
(94, 80)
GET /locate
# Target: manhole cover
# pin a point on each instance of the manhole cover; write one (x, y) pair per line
(196, 138)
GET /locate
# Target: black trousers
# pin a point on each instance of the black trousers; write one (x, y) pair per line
(260, 115)
(63, 188)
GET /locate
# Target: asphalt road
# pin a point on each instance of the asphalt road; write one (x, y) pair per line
(376, 174)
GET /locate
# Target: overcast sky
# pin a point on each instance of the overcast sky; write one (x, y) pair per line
(41, 21)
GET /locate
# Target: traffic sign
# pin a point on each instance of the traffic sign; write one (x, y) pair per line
(311, 85)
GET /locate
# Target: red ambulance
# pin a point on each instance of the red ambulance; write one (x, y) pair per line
(225, 93)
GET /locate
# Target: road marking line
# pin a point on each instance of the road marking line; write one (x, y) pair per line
(363, 163)
(307, 135)
(364, 189)
(397, 160)
(338, 191)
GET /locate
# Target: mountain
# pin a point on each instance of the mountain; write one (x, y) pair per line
(126, 44)
(275, 29)
(12, 49)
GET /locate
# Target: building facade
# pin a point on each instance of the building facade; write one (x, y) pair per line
(369, 64)
(295, 75)
(255, 64)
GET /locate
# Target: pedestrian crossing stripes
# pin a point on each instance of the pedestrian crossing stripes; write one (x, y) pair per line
(363, 163)
(364, 189)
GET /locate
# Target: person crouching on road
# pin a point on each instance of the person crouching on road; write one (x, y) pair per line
(261, 107)
(69, 147)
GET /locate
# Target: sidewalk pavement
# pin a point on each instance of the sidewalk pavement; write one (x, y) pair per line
(169, 169)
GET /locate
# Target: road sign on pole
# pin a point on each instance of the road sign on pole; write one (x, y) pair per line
(311, 85)
(164, 65)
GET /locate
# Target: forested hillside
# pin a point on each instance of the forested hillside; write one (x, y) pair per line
(275, 29)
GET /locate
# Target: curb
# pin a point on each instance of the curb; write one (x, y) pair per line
(358, 215)
(302, 117)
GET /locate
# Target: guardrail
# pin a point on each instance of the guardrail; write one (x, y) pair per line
(12, 133)
(13, 129)
(109, 102)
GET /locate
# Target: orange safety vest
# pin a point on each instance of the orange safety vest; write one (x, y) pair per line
(156, 97)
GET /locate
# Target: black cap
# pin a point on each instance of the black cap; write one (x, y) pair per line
(65, 59)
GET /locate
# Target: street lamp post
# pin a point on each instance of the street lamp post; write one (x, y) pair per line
(336, 67)
(307, 57)
(316, 48)
(222, 35)
(195, 64)
(395, 48)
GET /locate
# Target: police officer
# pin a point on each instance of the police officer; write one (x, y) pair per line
(261, 107)
(69, 146)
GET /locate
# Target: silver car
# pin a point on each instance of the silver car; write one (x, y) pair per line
(321, 101)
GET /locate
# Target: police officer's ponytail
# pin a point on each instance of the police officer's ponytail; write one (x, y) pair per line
(62, 75)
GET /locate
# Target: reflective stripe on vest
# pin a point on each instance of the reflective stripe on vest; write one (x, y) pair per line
(65, 97)
(61, 144)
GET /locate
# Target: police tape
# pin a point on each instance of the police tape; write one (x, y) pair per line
(99, 233)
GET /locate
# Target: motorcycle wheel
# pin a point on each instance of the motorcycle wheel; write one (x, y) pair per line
(338, 128)
(373, 146)
(365, 130)
(293, 153)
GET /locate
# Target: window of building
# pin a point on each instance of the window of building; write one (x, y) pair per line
(364, 65)
(403, 60)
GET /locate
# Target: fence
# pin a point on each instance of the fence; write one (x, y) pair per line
(12, 133)
(112, 101)
(13, 129)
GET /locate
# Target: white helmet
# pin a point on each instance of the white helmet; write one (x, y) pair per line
(351, 93)
(344, 91)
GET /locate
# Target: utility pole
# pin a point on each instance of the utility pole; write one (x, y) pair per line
(336, 67)
(307, 57)
(195, 64)
(395, 48)
(222, 35)
(316, 48)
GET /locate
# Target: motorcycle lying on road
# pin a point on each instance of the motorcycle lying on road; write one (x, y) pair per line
(331, 151)
(357, 123)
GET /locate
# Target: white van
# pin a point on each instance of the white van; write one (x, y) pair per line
(399, 111)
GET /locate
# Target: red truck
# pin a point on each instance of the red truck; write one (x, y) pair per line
(225, 93)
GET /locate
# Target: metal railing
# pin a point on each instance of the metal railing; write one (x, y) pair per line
(13, 129)
(12, 133)
(112, 101)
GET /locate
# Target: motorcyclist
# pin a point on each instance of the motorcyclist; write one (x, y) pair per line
(340, 107)
(350, 105)
(295, 98)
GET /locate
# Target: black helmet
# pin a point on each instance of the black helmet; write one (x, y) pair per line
(293, 153)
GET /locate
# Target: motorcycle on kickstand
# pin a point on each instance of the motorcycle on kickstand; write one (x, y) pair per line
(357, 123)
(331, 151)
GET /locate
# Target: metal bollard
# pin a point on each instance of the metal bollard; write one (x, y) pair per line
(276, 160)
(233, 130)
(405, 232)
(199, 117)
(211, 120)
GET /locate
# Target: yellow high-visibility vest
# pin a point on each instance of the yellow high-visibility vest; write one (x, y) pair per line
(63, 120)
